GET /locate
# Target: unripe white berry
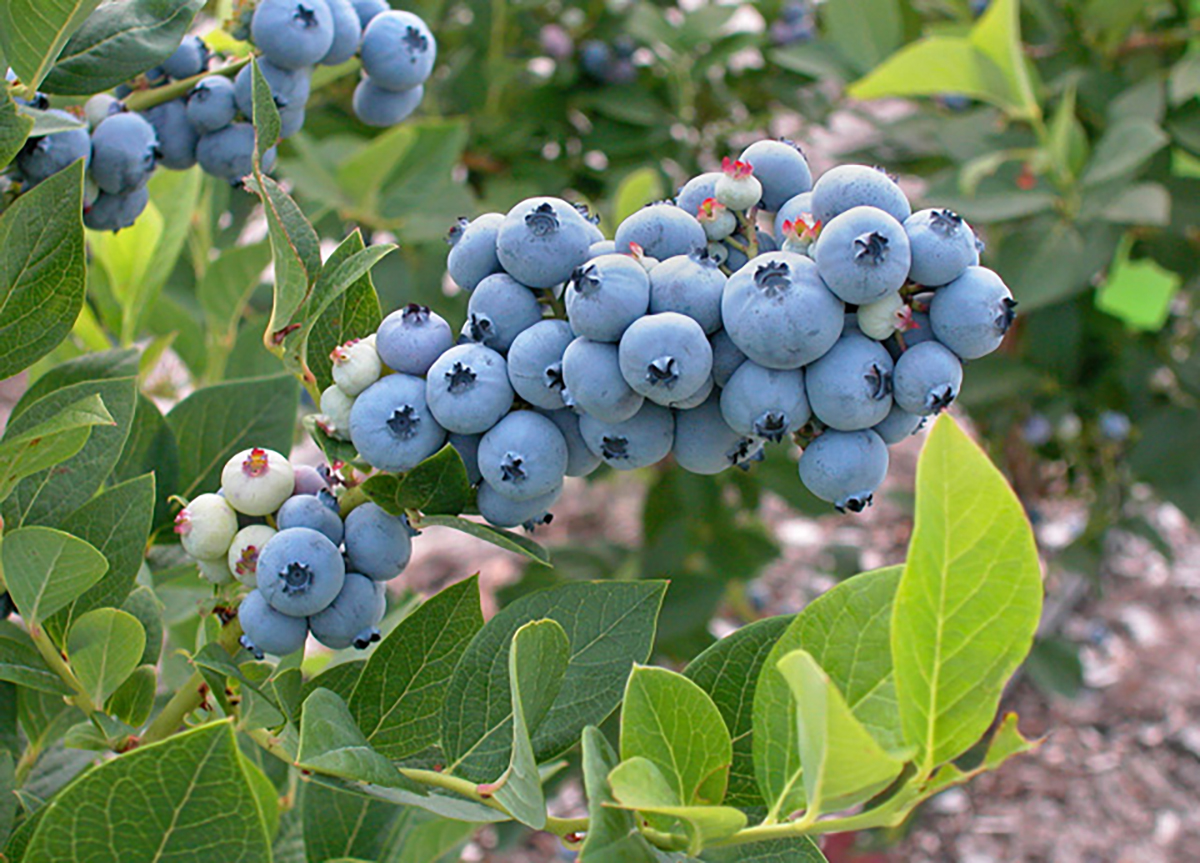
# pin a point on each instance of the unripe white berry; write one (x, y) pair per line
(243, 552)
(215, 571)
(356, 366)
(257, 481)
(878, 320)
(335, 404)
(206, 527)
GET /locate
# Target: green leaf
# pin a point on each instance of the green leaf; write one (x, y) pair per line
(295, 251)
(48, 122)
(537, 663)
(610, 626)
(798, 849)
(119, 42)
(151, 448)
(612, 835)
(1139, 292)
(8, 800)
(21, 663)
(1068, 143)
(670, 721)
(1006, 743)
(134, 699)
(266, 114)
(638, 188)
(397, 698)
(187, 798)
(175, 196)
(972, 570)
(638, 783)
(226, 287)
(34, 32)
(864, 31)
(330, 743)
(42, 270)
(354, 314)
(44, 569)
(50, 442)
(259, 708)
(104, 647)
(729, 672)
(997, 35)
(930, 66)
(843, 764)
(217, 422)
(505, 539)
(1123, 149)
(15, 127)
(438, 485)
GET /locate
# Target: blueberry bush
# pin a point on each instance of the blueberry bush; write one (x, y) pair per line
(198, 204)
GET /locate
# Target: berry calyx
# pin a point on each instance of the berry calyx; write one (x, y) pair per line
(736, 169)
(256, 464)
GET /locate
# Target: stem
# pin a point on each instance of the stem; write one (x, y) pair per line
(144, 99)
(191, 695)
(562, 826)
(59, 666)
(351, 498)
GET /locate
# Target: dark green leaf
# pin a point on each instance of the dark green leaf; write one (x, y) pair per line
(145, 605)
(134, 699)
(14, 128)
(33, 33)
(354, 314)
(1124, 148)
(151, 448)
(612, 835)
(864, 31)
(437, 486)
(266, 114)
(295, 250)
(332, 744)
(505, 539)
(800, 849)
(21, 663)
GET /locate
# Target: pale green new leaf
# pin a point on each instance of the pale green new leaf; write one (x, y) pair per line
(104, 646)
(1007, 742)
(44, 569)
(49, 442)
(923, 68)
(612, 835)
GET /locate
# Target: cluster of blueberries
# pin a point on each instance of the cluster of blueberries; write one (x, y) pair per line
(210, 126)
(276, 528)
(693, 333)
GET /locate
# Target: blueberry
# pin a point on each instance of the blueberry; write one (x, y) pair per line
(696, 191)
(705, 444)
(228, 153)
(640, 441)
(177, 139)
(738, 189)
(601, 247)
(898, 425)
(266, 630)
(392, 426)
(467, 446)
(312, 511)
(378, 545)
(792, 209)
(779, 312)
(542, 241)
(501, 511)
(690, 284)
(665, 357)
(726, 357)
(300, 571)
(863, 255)
(596, 58)
(500, 309)
(347, 32)
(257, 481)
(468, 389)
(124, 153)
(291, 121)
(606, 295)
(292, 34)
(1115, 426)
(472, 255)
(1037, 430)
(212, 104)
(356, 365)
(382, 108)
(242, 557)
(398, 51)
(942, 244)
(847, 186)
(310, 480)
(354, 615)
(100, 107)
(368, 9)
(115, 212)
(190, 58)
(850, 387)
(43, 157)
(523, 456)
(718, 221)
(535, 363)
(845, 468)
(411, 338)
(335, 409)
(206, 527)
(662, 230)
(290, 88)
(927, 379)
(594, 383)
(971, 314)
(581, 461)
(765, 403)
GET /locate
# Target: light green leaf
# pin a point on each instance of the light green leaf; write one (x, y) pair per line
(21, 663)
(537, 662)
(186, 799)
(42, 270)
(612, 835)
(438, 485)
(798, 849)
(104, 647)
(266, 115)
(44, 569)
(1139, 292)
(610, 626)
(397, 697)
(969, 600)
(843, 764)
(1124, 148)
(1007, 742)
(50, 442)
(670, 721)
(1068, 144)
(34, 32)
(504, 539)
(330, 743)
(638, 188)
(259, 708)
(48, 122)
(997, 35)
(150, 448)
(134, 699)
(447, 805)
(864, 31)
(175, 196)
(125, 256)
(927, 68)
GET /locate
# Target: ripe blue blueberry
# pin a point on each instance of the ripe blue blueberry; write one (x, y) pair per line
(398, 51)
(290, 88)
(300, 571)
(696, 191)
(594, 383)
(705, 444)
(523, 456)
(581, 461)
(43, 157)
(665, 357)
(863, 255)
(927, 379)
(692, 285)
(265, 630)
(467, 446)
(606, 295)
(190, 58)
(206, 527)
(292, 34)
(1037, 430)
(228, 153)
(601, 247)
(535, 363)
(502, 511)
(662, 230)
(378, 544)
(850, 388)
(352, 619)
(472, 255)
(779, 312)
(726, 357)
(942, 244)
(845, 468)
(1115, 426)
(381, 108)
(695, 399)
(898, 425)
(318, 512)
(411, 338)
(781, 168)
(765, 403)
(309, 480)
(124, 153)
(115, 212)
(846, 186)
(347, 32)
(640, 441)
(257, 481)
(177, 139)
(392, 426)
(212, 104)
(542, 241)
(500, 309)
(971, 314)
(468, 389)
(368, 9)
